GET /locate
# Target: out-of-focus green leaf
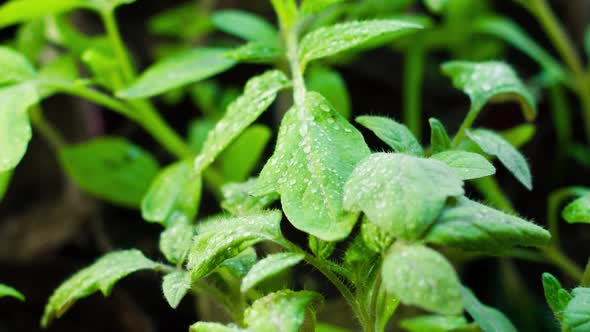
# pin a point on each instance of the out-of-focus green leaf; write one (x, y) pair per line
(62, 70)
(578, 211)
(5, 177)
(197, 133)
(331, 85)
(111, 168)
(488, 318)
(246, 26)
(105, 71)
(268, 267)
(255, 52)
(434, 323)
(439, 139)
(186, 21)
(420, 276)
(519, 135)
(286, 12)
(175, 285)
(176, 240)
(396, 135)
(102, 275)
(17, 11)
(16, 68)
(30, 39)
(214, 327)
(242, 155)
(178, 70)
(7, 291)
(576, 317)
(436, 6)
(309, 7)
(322, 327)
(238, 200)
(467, 165)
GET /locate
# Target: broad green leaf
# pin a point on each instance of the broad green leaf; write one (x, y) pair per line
(282, 311)
(241, 264)
(268, 267)
(16, 68)
(576, 317)
(286, 11)
(331, 85)
(400, 193)
(395, 134)
(485, 82)
(309, 7)
(242, 155)
(557, 298)
(178, 70)
(331, 40)
(226, 238)
(30, 39)
(214, 327)
(493, 144)
(467, 165)
(420, 276)
(5, 177)
(436, 6)
(439, 139)
(255, 52)
(17, 11)
(469, 225)
(434, 323)
(102, 275)
(246, 26)
(174, 194)
(238, 200)
(176, 240)
(259, 93)
(175, 285)
(316, 151)
(7, 291)
(15, 130)
(110, 168)
(578, 211)
(488, 318)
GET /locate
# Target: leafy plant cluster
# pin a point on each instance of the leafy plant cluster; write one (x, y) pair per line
(396, 213)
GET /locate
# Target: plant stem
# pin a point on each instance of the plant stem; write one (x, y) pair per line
(586, 276)
(413, 76)
(561, 114)
(467, 123)
(492, 192)
(121, 54)
(558, 259)
(52, 136)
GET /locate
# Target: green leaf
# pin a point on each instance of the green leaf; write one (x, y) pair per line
(30, 39)
(587, 41)
(178, 70)
(401, 193)
(436, 6)
(16, 68)
(226, 238)
(245, 25)
(106, 6)
(102, 275)
(493, 144)
(331, 85)
(255, 52)
(420, 276)
(467, 165)
(259, 93)
(241, 264)
(61, 70)
(15, 130)
(213, 327)
(186, 21)
(375, 237)
(243, 155)
(488, 318)
(322, 327)
(17, 11)
(176, 240)
(175, 285)
(6, 290)
(557, 298)
(578, 211)
(268, 267)
(439, 139)
(110, 168)
(104, 70)
(175, 193)
(331, 40)
(238, 200)
(576, 317)
(282, 311)
(5, 177)
(197, 133)
(396, 135)
(434, 323)
(316, 151)
(519, 135)
(490, 81)
(309, 7)
(287, 12)
(469, 225)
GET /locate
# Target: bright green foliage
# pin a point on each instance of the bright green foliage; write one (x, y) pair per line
(174, 194)
(469, 225)
(15, 130)
(519, 135)
(102, 275)
(30, 39)
(105, 72)
(105, 6)
(226, 238)
(488, 319)
(246, 26)
(309, 7)
(120, 172)
(321, 327)
(434, 323)
(246, 152)
(576, 316)
(175, 241)
(214, 327)
(556, 297)
(286, 11)
(396, 135)
(436, 6)
(331, 85)
(5, 177)
(401, 193)
(377, 238)
(238, 200)
(259, 93)
(467, 165)
(62, 70)
(180, 69)
(316, 151)
(17, 11)
(578, 211)
(420, 276)
(488, 81)
(268, 267)
(439, 139)
(334, 39)
(240, 264)
(7, 291)
(175, 285)
(15, 67)
(493, 144)
(255, 52)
